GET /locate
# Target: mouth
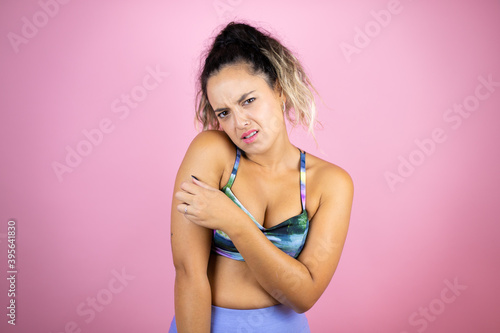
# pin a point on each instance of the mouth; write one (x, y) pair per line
(249, 136)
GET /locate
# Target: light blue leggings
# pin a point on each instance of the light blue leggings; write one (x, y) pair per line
(273, 319)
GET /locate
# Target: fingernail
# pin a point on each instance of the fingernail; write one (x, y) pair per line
(195, 178)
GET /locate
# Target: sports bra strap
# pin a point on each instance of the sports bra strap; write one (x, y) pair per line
(303, 178)
(235, 170)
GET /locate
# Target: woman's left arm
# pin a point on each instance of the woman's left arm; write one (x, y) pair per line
(297, 283)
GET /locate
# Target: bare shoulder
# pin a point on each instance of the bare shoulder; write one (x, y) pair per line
(327, 181)
(209, 155)
(211, 141)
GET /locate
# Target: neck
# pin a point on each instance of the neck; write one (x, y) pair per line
(281, 155)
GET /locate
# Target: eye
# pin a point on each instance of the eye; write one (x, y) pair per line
(250, 100)
(222, 114)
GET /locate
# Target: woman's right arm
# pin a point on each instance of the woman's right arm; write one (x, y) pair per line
(190, 242)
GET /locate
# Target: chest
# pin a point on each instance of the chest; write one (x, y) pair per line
(270, 200)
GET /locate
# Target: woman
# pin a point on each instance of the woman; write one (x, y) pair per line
(258, 254)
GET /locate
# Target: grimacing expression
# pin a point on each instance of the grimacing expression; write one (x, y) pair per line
(248, 110)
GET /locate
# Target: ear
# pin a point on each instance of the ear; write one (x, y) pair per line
(282, 95)
(278, 89)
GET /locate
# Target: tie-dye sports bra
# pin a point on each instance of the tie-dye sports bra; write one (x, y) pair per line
(289, 236)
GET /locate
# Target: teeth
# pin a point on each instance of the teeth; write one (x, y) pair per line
(250, 135)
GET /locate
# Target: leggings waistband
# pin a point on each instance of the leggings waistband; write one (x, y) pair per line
(273, 319)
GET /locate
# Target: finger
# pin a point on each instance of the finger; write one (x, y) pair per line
(183, 209)
(184, 197)
(201, 184)
(188, 187)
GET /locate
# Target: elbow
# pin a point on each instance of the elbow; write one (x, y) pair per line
(300, 299)
(189, 273)
(304, 304)
(183, 272)
(302, 308)
(191, 282)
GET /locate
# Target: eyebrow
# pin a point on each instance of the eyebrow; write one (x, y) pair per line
(239, 100)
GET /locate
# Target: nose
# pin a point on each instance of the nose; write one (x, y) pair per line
(241, 119)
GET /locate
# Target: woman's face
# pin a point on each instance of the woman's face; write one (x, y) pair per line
(248, 110)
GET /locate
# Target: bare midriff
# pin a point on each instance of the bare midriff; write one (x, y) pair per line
(234, 286)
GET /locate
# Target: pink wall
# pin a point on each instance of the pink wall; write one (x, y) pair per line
(407, 110)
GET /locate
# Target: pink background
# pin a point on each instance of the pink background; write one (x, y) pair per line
(407, 243)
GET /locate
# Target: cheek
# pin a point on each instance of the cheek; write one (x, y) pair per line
(272, 118)
(228, 127)
(275, 123)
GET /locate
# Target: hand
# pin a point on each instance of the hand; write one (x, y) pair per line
(203, 205)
